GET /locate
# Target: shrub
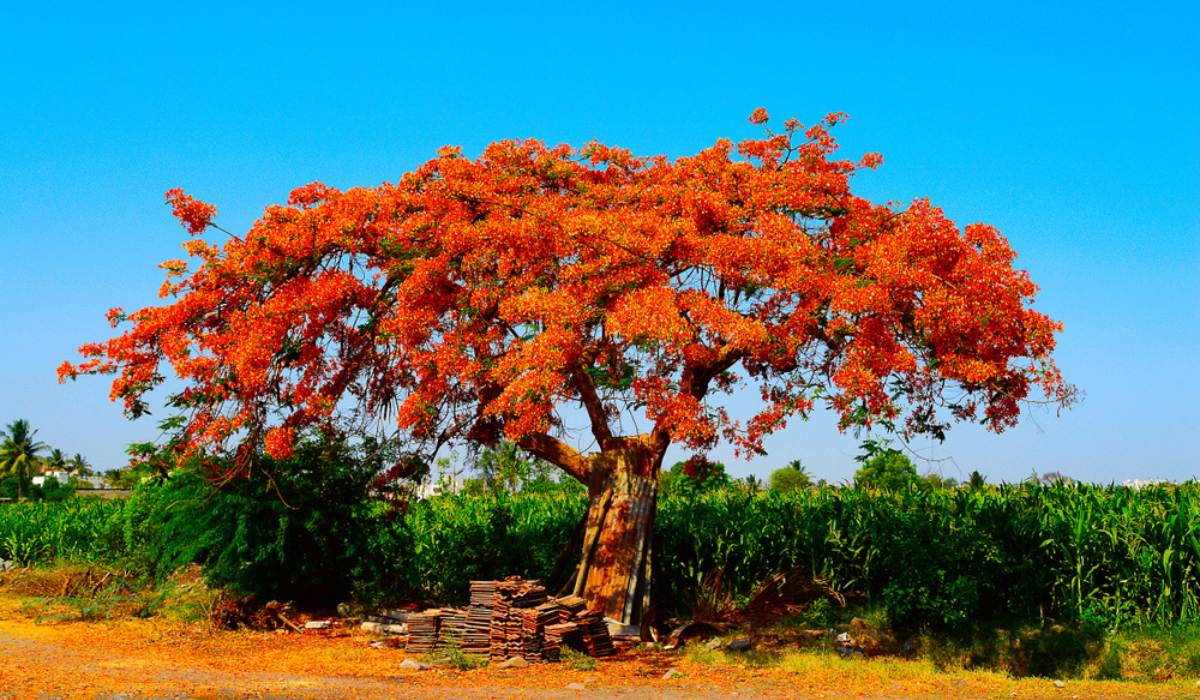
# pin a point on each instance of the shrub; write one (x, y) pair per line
(299, 529)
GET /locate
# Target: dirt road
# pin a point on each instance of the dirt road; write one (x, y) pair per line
(145, 659)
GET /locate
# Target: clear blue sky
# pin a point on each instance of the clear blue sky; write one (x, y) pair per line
(1073, 127)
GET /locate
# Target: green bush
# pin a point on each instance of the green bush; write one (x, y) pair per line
(300, 529)
(52, 490)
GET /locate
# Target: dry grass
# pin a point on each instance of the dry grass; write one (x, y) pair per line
(91, 593)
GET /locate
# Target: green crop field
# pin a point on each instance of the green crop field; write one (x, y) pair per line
(937, 558)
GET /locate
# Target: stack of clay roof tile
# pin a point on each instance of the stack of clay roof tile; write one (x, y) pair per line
(476, 633)
(512, 618)
(573, 603)
(593, 632)
(453, 627)
(556, 636)
(423, 631)
(533, 630)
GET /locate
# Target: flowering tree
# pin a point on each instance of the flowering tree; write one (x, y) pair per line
(476, 299)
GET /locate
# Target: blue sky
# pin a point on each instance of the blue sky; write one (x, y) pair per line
(1072, 127)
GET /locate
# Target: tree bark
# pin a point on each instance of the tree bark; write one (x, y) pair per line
(614, 569)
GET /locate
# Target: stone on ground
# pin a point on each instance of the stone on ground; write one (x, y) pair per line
(514, 662)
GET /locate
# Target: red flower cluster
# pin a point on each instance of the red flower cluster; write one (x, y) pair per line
(191, 212)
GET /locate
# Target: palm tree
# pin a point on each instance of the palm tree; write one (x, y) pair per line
(19, 451)
(55, 460)
(80, 466)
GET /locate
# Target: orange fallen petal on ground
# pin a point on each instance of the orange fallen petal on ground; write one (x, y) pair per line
(150, 658)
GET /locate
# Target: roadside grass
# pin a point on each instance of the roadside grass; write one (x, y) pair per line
(453, 656)
(1052, 652)
(820, 661)
(70, 592)
(577, 659)
(1152, 655)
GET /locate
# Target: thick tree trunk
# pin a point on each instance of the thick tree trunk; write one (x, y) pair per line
(614, 571)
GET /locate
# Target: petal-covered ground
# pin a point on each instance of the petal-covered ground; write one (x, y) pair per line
(154, 659)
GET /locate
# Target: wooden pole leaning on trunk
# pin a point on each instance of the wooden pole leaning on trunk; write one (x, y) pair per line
(614, 568)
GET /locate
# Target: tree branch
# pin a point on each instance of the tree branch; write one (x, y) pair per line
(558, 453)
(695, 381)
(595, 407)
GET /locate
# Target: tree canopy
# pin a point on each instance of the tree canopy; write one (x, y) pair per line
(886, 468)
(695, 475)
(791, 477)
(475, 298)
